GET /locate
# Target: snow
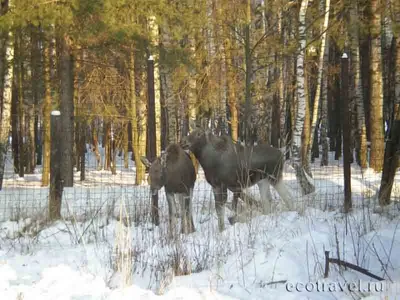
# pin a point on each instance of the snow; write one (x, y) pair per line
(106, 230)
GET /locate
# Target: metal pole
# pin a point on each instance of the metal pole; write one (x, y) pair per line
(151, 112)
(346, 132)
(56, 186)
(151, 132)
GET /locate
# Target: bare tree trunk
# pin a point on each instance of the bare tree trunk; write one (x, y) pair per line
(325, 8)
(14, 127)
(67, 111)
(306, 185)
(248, 74)
(324, 111)
(155, 38)
(167, 89)
(95, 142)
(192, 97)
(79, 118)
(6, 104)
(21, 108)
(376, 100)
(46, 117)
(391, 150)
(230, 85)
(125, 144)
(137, 134)
(31, 108)
(361, 137)
(305, 135)
(107, 145)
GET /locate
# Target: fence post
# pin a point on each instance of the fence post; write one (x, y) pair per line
(151, 132)
(151, 114)
(56, 185)
(346, 132)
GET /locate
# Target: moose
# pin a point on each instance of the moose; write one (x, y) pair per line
(174, 171)
(230, 165)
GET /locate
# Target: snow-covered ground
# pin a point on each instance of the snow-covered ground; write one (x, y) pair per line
(105, 247)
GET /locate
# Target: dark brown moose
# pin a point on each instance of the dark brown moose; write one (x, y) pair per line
(174, 171)
(229, 165)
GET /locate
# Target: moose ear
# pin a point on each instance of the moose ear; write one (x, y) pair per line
(145, 161)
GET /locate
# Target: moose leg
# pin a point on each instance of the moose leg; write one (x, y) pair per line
(171, 212)
(233, 219)
(187, 225)
(284, 194)
(266, 196)
(220, 196)
(189, 204)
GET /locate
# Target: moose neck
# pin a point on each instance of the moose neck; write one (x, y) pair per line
(207, 156)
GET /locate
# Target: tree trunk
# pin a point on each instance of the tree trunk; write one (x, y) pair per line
(6, 104)
(95, 141)
(305, 135)
(46, 117)
(324, 111)
(230, 86)
(31, 107)
(21, 104)
(376, 100)
(153, 27)
(167, 90)
(67, 111)
(248, 75)
(79, 118)
(14, 127)
(393, 143)
(107, 145)
(125, 144)
(355, 64)
(306, 186)
(36, 77)
(315, 116)
(136, 130)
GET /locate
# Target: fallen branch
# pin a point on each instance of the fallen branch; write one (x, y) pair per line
(347, 264)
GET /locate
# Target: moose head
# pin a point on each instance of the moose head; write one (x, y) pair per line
(157, 170)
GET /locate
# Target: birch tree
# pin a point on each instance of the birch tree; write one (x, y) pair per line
(153, 30)
(306, 186)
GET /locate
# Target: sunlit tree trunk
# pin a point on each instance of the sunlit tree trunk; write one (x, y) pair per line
(46, 115)
(153, 28)
(192, 96)
(376, 100)
(315, 113)
(139, 148)
(306, 185)
(248, 74)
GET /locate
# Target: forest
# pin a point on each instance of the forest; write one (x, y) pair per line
(260, 71)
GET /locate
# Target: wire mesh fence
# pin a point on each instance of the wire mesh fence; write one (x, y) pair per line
(106, 185)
